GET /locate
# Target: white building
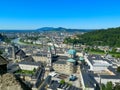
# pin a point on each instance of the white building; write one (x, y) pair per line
(107, 78)
(97, 63)
(100, 65)
(29, 65)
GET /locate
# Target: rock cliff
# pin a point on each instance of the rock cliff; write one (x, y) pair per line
(10, 82)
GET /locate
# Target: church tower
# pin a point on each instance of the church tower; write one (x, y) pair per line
(53, 50)
(13, 52)
(49, 56)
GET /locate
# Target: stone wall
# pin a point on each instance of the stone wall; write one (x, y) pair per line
(10, 82)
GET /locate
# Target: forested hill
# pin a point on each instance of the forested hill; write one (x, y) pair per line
(5, 38)
(1, 37)
(103, 37)
(109, 37)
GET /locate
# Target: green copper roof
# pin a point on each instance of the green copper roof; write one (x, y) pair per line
(81, 58)
(72, 52)
(49, 48)
(71, 60)
(52, 47)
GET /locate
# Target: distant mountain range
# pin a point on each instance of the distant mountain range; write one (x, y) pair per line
(50, 29)
(63, 29)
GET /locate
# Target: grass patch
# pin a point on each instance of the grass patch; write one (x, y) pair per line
(95, 52)
(25, 72)
(40, 45)
(116, 55)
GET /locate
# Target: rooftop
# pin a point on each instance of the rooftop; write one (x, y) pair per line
(28, 58)
(71, 51)
(60, 62)
(97, 60)
(30, 63)
(100, 63)
(89, 81)
(59, 58)
(20, 53)
(3, 60)
(71, 60)
(81, 58)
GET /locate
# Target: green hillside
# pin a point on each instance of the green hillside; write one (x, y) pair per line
(110, 37)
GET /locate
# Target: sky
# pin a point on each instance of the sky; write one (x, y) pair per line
(79, 14)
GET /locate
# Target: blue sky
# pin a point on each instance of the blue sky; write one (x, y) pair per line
(83, 14)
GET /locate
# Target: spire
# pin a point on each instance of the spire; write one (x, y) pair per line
(13, 52)
(49, 56)
(73, 46)
(54, 49)
(49, 49)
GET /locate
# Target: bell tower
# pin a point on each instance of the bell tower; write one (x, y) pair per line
(53, 50)
(13, 52)
(49, 56)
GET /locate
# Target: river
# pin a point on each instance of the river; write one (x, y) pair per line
(17, 41)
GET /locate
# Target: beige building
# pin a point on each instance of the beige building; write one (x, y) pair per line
(65, 64)
(40, 58)
(66, 67)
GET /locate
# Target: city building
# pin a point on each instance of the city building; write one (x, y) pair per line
(97, 63)
(20, 54)
(24, 65)
(63, 64)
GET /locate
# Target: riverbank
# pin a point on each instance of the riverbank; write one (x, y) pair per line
(17, 41)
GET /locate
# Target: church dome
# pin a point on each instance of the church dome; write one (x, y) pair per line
(72, 52)
(81, 58)
(71, 60)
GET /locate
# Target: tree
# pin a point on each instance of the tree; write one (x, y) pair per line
(114, 50)
(109, 86)
(62, 81)
(117, 56)
(117, 87)
(118, 69)
(109, 37)
(103, 87)
(1, 52)
(7, 40)
(34, 70)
